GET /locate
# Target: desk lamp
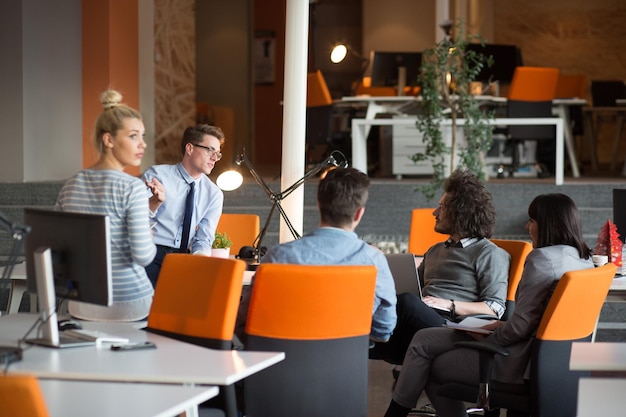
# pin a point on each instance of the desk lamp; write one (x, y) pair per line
(339, 53)
(231, 180)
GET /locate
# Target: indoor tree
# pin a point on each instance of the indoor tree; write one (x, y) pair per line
(447, 71)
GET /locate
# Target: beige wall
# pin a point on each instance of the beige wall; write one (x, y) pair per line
(398, 25)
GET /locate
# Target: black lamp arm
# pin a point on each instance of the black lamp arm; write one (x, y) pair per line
(275, 198)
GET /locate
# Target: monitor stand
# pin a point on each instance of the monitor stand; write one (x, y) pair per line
(47, 304)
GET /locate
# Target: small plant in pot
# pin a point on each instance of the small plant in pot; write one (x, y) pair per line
(221, 245)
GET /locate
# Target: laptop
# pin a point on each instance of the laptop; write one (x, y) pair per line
(403, 267)
(404, 270)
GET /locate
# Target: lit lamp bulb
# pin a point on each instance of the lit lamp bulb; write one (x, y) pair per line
(229, 180)
(338, 53)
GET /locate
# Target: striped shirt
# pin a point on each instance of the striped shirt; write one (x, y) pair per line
(124, 199)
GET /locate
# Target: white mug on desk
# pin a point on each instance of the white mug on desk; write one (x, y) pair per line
(599, 260)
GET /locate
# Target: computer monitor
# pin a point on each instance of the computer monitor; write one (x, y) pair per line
(385, 68)
(505, 59)
(68, 256)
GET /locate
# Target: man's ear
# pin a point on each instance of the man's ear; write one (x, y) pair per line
(359, 214)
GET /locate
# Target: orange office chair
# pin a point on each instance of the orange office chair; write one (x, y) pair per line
(320, 316)
(422, 233)
(21, 396)
(242, 229)
(196, 301)
(571, 316)
(519, 250)
(319, 117)
(530, 95)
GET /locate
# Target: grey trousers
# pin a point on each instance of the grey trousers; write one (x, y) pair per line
(432, 360)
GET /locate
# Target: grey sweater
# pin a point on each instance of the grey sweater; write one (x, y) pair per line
(477, 272)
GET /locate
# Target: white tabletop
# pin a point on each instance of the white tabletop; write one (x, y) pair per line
(601, 397)
(106, 399)
(171, 362)
(598, 356)
(407, 99)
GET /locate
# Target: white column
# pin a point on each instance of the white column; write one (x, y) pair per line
(294, 112)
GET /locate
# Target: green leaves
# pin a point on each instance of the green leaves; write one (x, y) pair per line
(447, 71)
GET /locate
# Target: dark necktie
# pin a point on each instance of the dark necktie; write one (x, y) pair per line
(184, 242)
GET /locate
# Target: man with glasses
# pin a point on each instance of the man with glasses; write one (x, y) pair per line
(186, 220)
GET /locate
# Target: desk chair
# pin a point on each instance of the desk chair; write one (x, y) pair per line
(519, 250)
(530, 95)
(604, 95)
(196, 301)
(242, 229)
(422, 233)
(320, 316)
(20, 396)
(319, 117)
(573, 86)
(571, 316)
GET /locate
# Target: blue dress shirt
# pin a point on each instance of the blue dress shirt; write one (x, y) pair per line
(209, 200)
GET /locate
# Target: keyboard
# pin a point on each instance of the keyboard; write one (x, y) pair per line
(93, 336)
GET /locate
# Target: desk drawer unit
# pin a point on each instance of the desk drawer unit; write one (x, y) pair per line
(407, 141)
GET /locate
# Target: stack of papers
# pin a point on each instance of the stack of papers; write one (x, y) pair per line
(470, 324)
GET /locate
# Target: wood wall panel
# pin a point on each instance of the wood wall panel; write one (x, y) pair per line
(175, 75)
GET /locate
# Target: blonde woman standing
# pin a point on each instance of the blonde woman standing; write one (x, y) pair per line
(106, 189)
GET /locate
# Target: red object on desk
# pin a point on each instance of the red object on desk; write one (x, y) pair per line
(609, 243)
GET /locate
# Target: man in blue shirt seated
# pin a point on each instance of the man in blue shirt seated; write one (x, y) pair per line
(341, 198)
(186, 219)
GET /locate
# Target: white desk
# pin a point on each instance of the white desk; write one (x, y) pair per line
(18, 287)
(599, 356)
(617, 291)
(172, 362)
(394, 104)
(359, 137)
(601, 397)
(106, 399)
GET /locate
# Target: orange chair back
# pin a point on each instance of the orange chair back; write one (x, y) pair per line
(197, 296)
(317, 90)
(533, 84)
(21, 396)
(519, 250)
(571, 86)
(575, 305)
(422, 233)
(311, 302)
(242, 229)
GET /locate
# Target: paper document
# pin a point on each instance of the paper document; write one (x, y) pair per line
(470, 324)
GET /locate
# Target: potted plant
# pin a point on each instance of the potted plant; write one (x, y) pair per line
(447, 71)
(221, 245)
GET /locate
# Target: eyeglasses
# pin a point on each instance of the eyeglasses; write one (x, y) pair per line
(211, 153)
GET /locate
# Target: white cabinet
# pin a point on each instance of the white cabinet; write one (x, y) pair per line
(407, 141)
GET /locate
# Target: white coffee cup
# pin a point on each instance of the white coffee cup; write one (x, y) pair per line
(599, 260)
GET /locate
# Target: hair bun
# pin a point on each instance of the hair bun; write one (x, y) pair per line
(110, 99)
